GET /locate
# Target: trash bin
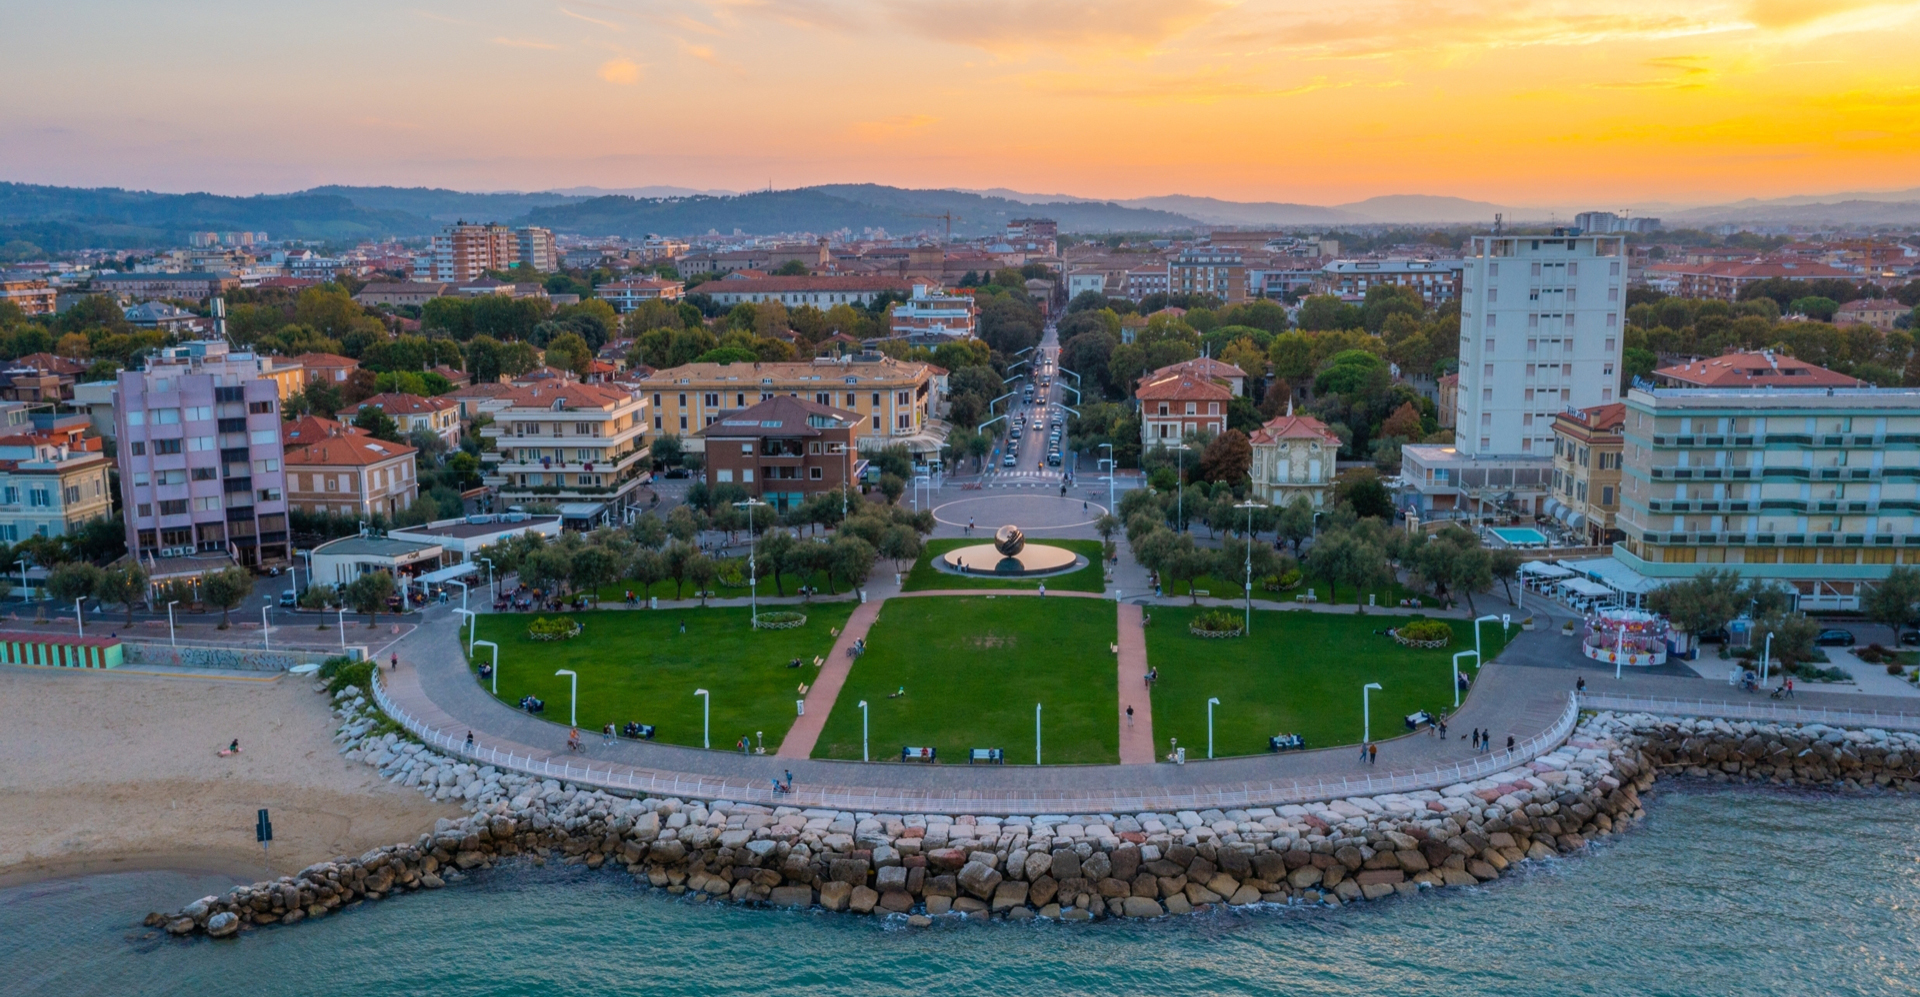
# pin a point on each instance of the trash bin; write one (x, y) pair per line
(863, 597)
(653, 602)
(800, 707)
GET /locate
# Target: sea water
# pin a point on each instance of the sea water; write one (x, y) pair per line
(1721, 891)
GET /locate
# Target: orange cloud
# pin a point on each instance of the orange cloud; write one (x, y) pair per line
(1022, 27)
(622, 71)
(894, 127)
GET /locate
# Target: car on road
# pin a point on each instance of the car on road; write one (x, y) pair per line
(288, 599)
(1053, 459)
(1834, 638)
(1910, 637)
(1010, 461)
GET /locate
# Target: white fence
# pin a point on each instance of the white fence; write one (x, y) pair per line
(986, 801)
(1771, 711)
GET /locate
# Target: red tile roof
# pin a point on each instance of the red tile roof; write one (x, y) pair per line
(1182, 387)
(326, 360)
(396, 403)
(309, 428)
(1754, 370)
(347, 451)
(1610, 418)
(575, 394)
(1294, 427)
(1200, 366)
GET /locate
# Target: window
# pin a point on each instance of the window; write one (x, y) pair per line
(876, 399)
(173, 507)
(260, 408)
(204, 474)
(204, 504)
(263, 436)
(166, 417)
(262, 466)
(199, 412)
(876, 423)
(143, 510)
(1488, 370)
(656, 422)
(656, 401)
(1489, 344)
(139, 448)
(723, 474)
(903, 422)
(166, 446)
(683, 400)
(1490, 318)
(1569, 320)
(196, 444)
(1213, 408)
(136, 418)
(1486, 395)
(1536, 269)
(814, 473)
(850, 399)
(1192, 409)
(269, 494)
(683, 423)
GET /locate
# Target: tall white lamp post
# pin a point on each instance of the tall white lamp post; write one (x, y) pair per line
(863, 732)
(1036, 733)
(78, 623)
(573, 696)
(1249, 505)
(1366, 712)
(1110, 472)
(266, 625)
(341, 618)
(706, 717)
(1211, 703)
(753, 573)
(494, 592)
(170, 637)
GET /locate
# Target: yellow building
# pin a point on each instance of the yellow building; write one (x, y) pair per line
(900, 401)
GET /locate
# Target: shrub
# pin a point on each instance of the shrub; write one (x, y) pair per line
(781, 620)
(1217, 621)
(340, 672)
(554, 628)
(1873, 654)
(1894, 668)
(1426, 630)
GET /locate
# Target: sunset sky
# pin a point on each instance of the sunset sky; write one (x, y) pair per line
(1608, 103)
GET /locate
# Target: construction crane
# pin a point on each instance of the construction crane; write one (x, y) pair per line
(948, 216)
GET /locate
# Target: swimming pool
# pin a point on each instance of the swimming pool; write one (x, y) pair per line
(1520, 536)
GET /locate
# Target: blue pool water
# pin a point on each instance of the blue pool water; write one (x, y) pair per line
(1721, 892)
(1517, 535)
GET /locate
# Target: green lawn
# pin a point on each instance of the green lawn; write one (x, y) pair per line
(636, 665)
(1299, 673)
(788, 585)
(1230, 588)
(925, 576)
(973, 669)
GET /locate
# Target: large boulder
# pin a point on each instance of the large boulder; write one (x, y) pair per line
(1066, 864)
(1009, 895)
(863, 901)
(1140, 907)
(979, 879)
(834, 895)
(791, 896)
(223, 924)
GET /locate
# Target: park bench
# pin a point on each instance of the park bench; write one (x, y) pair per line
(917, 755)
(638, 731)
(1418, 718)
(988, 756)
(1286, 742)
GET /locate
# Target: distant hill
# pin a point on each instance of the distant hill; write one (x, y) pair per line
(980, 214)
(1843, 212)
(1250, 213)
(1416, 209)
(63, 218)
(445, 205)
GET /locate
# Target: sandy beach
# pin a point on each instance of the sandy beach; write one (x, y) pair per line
(117, 770)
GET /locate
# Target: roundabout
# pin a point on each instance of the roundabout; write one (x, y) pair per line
(1009, 555)
(1034, 512)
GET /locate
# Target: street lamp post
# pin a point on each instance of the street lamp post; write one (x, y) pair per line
(753, 573)
(473, 627)
(1366, 712)
(706, 717)
(863, 732)
(1111, 468)
(341, 618)
(1180, 485)
(1455, 677)
(463, 592)
(1036, 733)
(1249, 505)
(79, 623)
(170, 637)
(1766, 659)
(494, 592)
(266, 624)
(1212, 702)
(573, 696)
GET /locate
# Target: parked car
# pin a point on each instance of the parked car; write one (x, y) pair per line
(1009, 461)
(1834, 638)
(289, 599)
(1910, 637)
(1715, 636)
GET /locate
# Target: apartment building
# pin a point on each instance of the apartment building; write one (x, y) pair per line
(1206, 367)
(898, 401)
(1723, 280)
(934, 316)
(820, 292)
(338, 469)
(627, 295)
(1880, 313)
(439, 416)
(40, 377)
(1294, 455)
(465, 251)
(1436, 281)
(537, 249)
(31, 295)
(1816, 489)
(559, 440)
(783, 450)
(1204, 270)
(1180, 404)
(1143, 281)
(1755, 369)
(395, 294)
(330, 368)
(52, 480)
(196, 286)
(200, 457)
(1587, 451)
(1540, 332)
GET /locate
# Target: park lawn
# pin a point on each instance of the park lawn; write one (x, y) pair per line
(1230, 588)
(973, 668)
(1299, 672)
(925, 576)
(789, 585)
(636, 665)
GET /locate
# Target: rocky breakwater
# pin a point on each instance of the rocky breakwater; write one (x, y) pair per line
(927, 866)
(1779, 754)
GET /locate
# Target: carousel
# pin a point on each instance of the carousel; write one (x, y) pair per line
(1626, 637)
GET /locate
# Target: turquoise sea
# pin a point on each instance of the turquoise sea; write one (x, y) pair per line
(1720, 892)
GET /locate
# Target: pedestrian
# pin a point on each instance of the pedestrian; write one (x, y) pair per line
(789, 780)
(1509, 744)
(469, 740)
(1363, 751)
(1476, 739)
(1443, 728)
(1580, 686)
(683, 626)
(1373, 753)
(1789, 688)
(1043, 590)
(1083, 505)
(396, 662)
(1129, 715)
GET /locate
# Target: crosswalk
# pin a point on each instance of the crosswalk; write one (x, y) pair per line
(1020, 478)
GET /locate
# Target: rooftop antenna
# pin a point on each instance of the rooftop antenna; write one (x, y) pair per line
(1496, 223)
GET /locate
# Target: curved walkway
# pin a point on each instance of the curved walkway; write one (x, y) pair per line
(435, 696)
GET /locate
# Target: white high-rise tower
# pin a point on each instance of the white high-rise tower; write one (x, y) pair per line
(1540, 331)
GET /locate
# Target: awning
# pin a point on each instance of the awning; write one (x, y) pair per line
(1577, 520)
(1592, 590)
(1554, 508)
(457, 571)
(1541, 569)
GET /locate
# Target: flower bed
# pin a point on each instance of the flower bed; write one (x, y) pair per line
(1424, 633)
(1218, 623)
(780, 621)
(554, 628)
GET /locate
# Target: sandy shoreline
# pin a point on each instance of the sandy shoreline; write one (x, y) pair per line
(113, 772)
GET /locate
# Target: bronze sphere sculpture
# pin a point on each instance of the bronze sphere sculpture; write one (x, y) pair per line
(1009, 541)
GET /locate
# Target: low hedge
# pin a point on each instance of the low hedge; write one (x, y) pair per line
(554, 628)
(1216, 623)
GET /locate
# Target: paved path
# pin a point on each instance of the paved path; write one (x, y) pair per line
(805, 732)
(1136, 737)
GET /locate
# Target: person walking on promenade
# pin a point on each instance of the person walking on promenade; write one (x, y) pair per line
(789, 780)
(1129, 714)
(1789, 688)
(1373, 753)
(396, 662)
(1476, 739)
(1509, 744)
(1363, 751)
(469, 740)
(1581, 686)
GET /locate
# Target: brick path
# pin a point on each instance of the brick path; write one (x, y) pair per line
(1136, 739)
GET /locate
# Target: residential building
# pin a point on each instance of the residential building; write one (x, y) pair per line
(1437, 281)
(40, 377)
(465, 251)
(784, 449)
(96, 399)
(1280, 277)
(338, 469)
(1757, 369)
(401, 293)
(438, 415)
(579, 444)
(1213, 370)
(162, 316)
(932, 316)
(52, 480)
(1446, 400)
(1294, 455)
(1437, 481)
(474, 399)
(330, 368)
(1143, 281)
(821, 292)
(1816, 489)
(627, 295)
(1179, 405)
(537, 249)
(1723, 280)
(1606, 222)
(196, 286)
(1540, 332)
(1880, 313)
(31, 295)
(1202, 270)
(200, 456)
(288, 375)
(899, 401)
(1082, 280)
(1586, 470)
